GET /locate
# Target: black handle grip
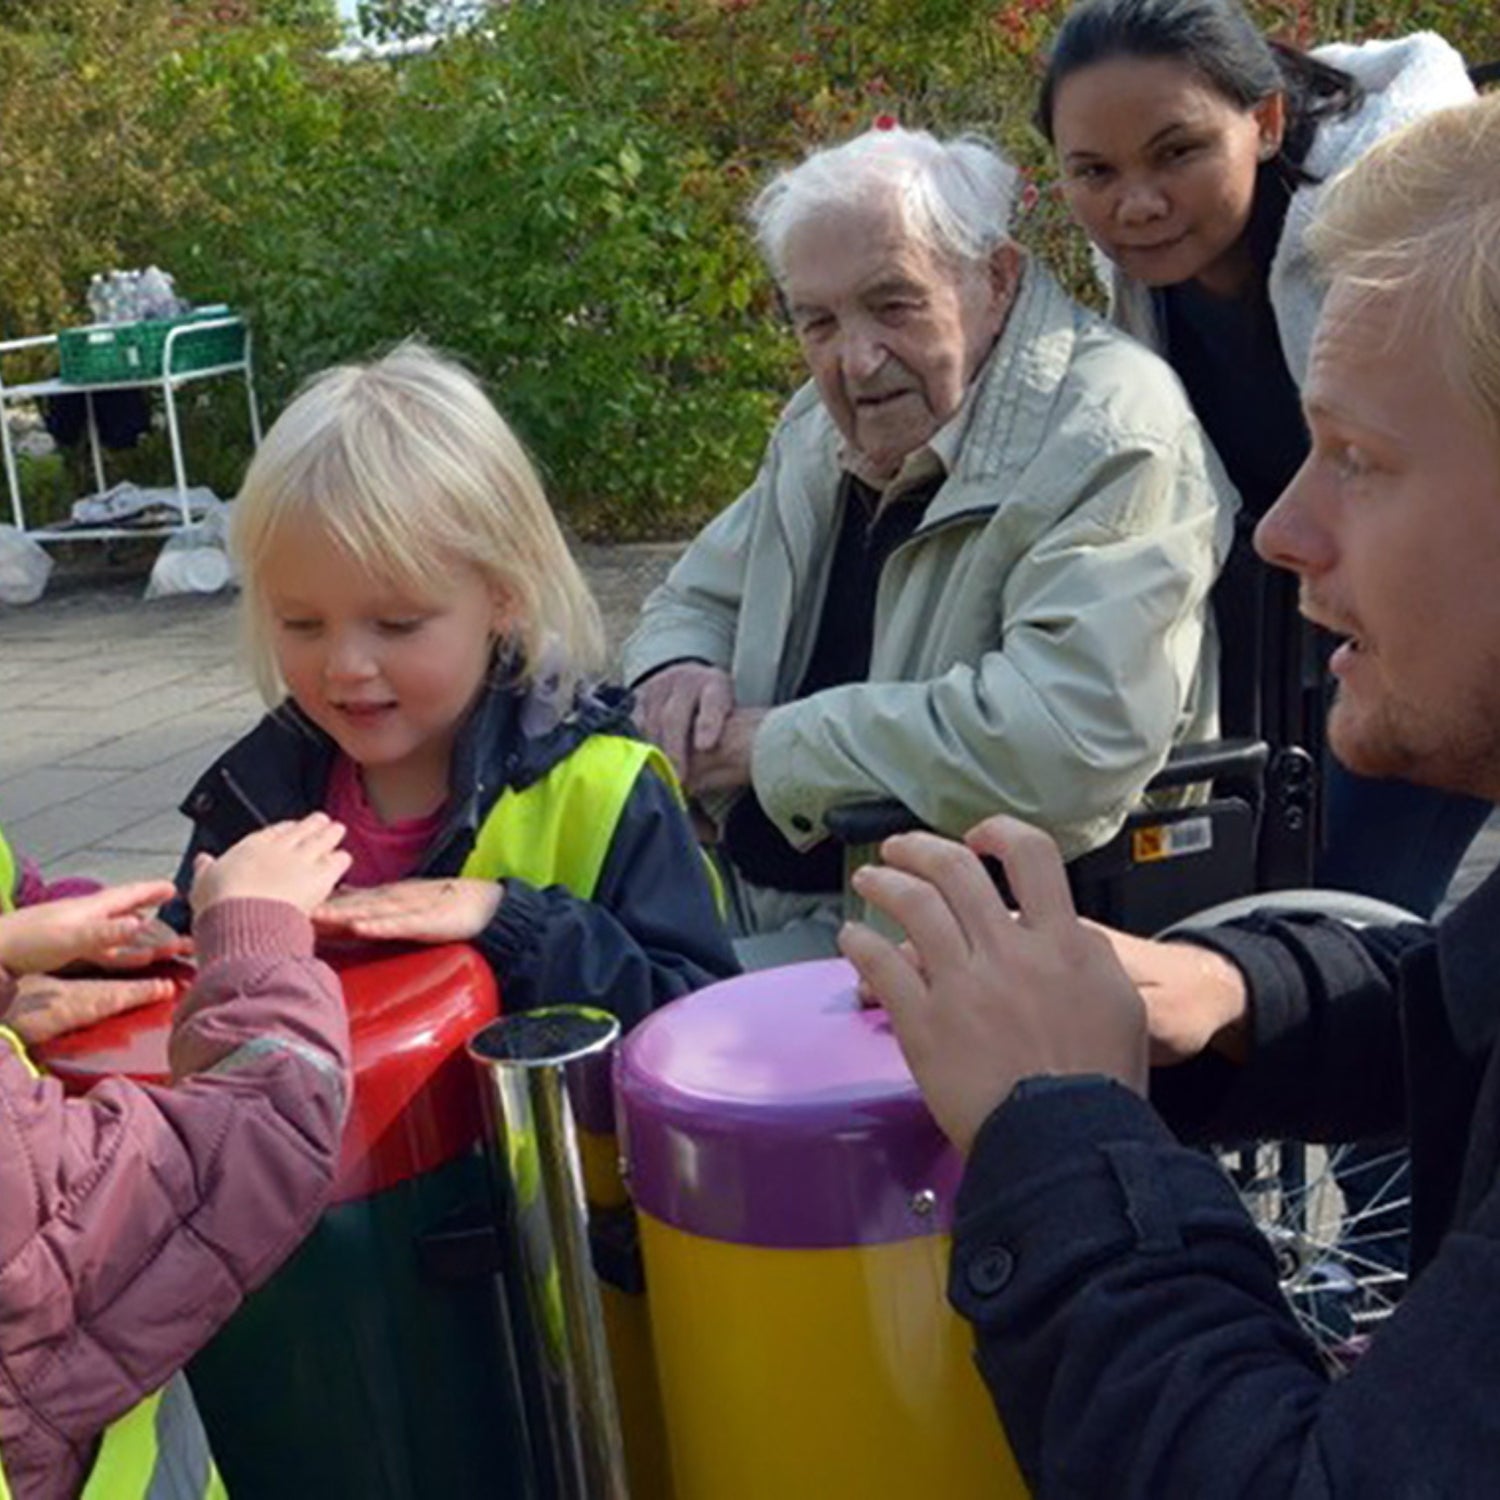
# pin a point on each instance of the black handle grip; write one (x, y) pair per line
(869, 822)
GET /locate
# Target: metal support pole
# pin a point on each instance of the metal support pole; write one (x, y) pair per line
(535, 1066)
(250, 393)
(12, 474)
(174, 428)
(95, 452)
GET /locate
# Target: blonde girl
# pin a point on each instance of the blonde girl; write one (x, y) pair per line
(430, 654)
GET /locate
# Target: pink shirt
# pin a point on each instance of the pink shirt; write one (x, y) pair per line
(31, 889)
(382, 851)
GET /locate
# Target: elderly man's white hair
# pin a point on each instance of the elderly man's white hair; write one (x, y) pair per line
(955, 197)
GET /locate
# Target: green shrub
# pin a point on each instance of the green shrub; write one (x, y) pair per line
(555, 196)
(587, 260)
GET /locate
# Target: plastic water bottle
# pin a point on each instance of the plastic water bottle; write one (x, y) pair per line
(98, 299)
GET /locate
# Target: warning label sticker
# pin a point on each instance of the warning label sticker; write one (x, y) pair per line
(1171, 840)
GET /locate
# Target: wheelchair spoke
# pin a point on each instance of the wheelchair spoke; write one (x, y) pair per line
(1342, 1269)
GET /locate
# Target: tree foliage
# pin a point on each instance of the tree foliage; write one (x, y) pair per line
(554, 194)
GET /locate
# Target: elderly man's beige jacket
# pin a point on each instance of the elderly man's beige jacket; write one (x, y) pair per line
(1041, 640)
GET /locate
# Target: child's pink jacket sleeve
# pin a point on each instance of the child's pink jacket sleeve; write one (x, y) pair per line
(134, 1220)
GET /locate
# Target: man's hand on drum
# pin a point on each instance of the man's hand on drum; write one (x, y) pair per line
(683, 709)
(982, 996)
(987, 996)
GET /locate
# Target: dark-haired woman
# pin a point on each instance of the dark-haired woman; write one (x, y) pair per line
(1194, 152)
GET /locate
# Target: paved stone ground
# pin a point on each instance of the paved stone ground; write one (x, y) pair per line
(111, 706)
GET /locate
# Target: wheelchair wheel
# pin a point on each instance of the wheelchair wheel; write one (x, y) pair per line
(1337, 1217)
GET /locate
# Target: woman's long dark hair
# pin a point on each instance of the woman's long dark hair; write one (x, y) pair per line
(1220, 42)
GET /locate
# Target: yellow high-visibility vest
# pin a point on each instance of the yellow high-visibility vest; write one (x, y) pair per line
(158, 1450)
(9, 870)
(558, 830)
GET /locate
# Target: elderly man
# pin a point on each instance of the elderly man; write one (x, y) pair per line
(972, 571)
(1130, 1324)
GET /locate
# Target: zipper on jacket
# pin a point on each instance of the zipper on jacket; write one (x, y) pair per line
(244, 798)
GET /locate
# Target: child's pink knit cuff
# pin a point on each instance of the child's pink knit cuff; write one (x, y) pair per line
(252, 928)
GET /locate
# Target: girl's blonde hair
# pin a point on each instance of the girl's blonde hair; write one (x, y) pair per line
(407, 466)
(1418, 215)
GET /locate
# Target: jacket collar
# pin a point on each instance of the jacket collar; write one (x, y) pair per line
(510, 738)
(1469, 959)
(1019, 389)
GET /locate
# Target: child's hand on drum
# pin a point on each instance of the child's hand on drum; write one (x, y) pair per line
(46, 1006)
(455, 910)
(94, 929)
(299, 862)
(152, 943)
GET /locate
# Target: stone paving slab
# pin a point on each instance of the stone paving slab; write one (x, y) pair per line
(110, 707)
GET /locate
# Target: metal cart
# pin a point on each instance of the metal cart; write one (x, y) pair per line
(170, 378)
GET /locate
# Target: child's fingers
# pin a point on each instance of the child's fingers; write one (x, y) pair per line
(136, 953)
(125, 900)
(326, 870)
(345, 908)
(389, 911)
(386, 920)
(109, 997)
(316, 834)
(287, 833)
(47, 1007)
(108, 933)
(412, 927)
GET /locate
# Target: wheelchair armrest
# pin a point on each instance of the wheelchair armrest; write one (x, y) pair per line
(881, 817)
(870, 822)
(1211, 760)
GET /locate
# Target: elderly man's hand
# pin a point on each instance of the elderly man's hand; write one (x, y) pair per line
(684, 709)
(725, 767)
(993, 996)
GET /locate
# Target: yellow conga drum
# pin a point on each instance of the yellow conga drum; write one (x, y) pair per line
(794, 1198)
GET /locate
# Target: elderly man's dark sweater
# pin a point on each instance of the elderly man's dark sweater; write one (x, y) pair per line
(868, 534)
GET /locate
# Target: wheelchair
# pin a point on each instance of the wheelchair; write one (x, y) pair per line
(1247, 841)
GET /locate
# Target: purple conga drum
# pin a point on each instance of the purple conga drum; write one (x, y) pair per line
(794, 1199)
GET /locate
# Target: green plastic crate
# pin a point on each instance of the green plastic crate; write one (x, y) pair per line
(110, 352)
